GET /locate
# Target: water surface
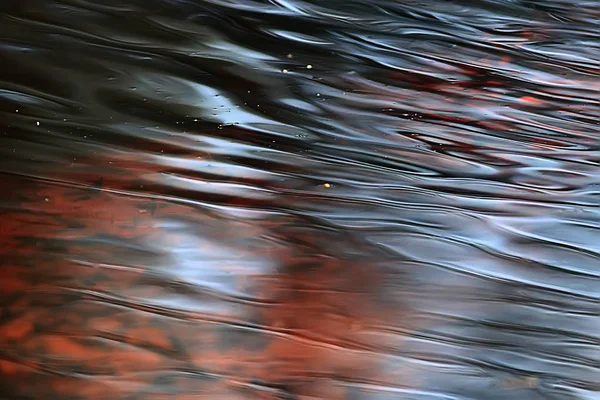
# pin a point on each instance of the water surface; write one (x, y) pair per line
(300, 199)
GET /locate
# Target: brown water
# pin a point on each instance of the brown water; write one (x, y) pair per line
(295, 199)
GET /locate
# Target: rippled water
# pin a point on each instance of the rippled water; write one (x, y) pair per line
(294, 199)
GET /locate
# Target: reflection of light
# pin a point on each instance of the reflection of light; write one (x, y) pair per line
(211, 187)
(219, 108)
(202, 259)
(240, 53)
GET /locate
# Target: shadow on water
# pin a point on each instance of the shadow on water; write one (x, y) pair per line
(299, 199)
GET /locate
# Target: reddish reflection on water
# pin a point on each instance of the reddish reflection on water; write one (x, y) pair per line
(283, 315)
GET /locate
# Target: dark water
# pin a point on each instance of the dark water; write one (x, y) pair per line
(285, 199)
